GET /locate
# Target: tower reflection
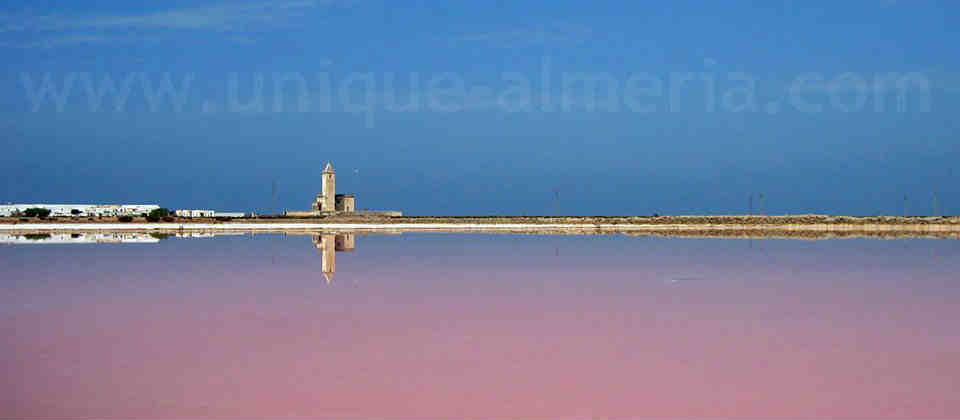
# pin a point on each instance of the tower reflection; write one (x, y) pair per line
(328, 245)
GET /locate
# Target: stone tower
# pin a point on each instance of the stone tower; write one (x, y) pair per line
(329, 188)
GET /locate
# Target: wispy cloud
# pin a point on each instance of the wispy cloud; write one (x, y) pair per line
(59, 41)
(539, 35)
(57, 30)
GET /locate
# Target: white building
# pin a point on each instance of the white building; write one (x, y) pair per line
(194, 213)
(60, 210)
(208, 213)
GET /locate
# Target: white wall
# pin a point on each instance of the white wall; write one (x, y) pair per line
(85, 209)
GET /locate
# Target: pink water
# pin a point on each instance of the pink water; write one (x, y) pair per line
(470, 326)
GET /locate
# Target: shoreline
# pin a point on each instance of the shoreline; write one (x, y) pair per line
(361, 219)
(938, 230)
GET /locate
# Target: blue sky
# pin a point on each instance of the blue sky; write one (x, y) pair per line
(670, 124)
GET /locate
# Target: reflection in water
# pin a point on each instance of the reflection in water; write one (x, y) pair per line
(493, 326)
(329, 245)
(81, 238)
(102, 237)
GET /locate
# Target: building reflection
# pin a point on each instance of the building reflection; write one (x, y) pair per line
(328, 245)
(81, 238)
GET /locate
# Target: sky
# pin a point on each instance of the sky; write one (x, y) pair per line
(483, 108)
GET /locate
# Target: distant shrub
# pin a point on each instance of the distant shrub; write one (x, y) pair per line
(24, 219)
(153, 219)
(168, 219)
(36, 212)
(125, 219)
(224, 219)
(158, 213)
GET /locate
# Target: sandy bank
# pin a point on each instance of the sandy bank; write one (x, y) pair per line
(699, 229)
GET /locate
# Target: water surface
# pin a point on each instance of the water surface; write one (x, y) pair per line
(448, 325)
